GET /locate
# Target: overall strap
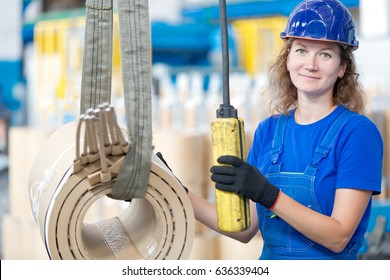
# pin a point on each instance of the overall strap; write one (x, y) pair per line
(277, 144)
(327, 143)
(132, 180)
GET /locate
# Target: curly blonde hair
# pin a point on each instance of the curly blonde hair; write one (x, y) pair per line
(347, 90)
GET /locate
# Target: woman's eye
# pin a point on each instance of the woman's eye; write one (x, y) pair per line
(300, 51)
(325, 55)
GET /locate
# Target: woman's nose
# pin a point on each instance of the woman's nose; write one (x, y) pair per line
(311, 64)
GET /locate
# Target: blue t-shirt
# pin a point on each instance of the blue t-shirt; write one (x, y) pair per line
(354, 162)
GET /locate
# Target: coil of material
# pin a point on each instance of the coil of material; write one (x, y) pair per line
(159, 226)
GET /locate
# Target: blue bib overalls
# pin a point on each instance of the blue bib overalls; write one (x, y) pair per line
(281, 241)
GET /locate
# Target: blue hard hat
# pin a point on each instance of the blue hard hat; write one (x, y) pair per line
(325, 20)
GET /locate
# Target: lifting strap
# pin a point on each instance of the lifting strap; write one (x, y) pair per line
(137, 79)
(135, 51)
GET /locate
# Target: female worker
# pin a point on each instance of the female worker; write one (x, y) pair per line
(313, 168)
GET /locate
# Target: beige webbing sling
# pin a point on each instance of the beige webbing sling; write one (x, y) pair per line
(136, 71)
(84, 161)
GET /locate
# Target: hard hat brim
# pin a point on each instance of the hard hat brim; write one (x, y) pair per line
(343, 44)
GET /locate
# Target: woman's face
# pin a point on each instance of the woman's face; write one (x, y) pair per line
(314, 67)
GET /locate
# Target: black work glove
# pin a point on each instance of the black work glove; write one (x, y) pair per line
(160, 156)
(243, 179)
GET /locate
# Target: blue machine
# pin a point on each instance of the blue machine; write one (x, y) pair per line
(10, 76)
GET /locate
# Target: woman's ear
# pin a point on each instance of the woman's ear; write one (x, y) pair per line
(342, 70)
